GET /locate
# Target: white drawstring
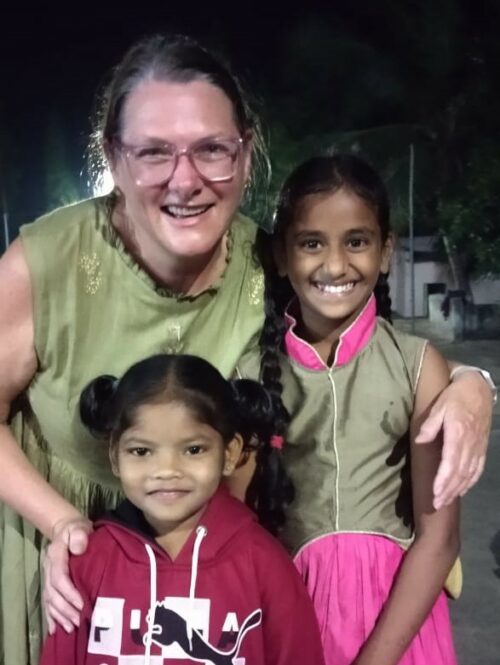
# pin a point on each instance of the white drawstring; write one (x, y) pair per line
(152, 603)
(201, 532)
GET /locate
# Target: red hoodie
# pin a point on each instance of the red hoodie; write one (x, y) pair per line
(231, 597)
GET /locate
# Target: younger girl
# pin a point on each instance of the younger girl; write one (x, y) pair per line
(181, 572)
(372, 550)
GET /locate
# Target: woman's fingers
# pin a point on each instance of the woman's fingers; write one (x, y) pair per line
(61, 600)
(463, 412)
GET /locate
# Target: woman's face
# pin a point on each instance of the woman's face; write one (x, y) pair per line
(185, 214)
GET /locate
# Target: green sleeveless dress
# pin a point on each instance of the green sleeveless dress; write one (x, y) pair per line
(96, 311)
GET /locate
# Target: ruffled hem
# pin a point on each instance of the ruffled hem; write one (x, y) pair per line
(91, 498)
(349, 577)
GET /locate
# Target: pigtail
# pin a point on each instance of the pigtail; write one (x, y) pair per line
(270, 491)
(383, 298)
(277, 294)
(96, 405)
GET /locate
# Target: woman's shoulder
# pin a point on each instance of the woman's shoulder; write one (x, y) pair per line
(65, 220)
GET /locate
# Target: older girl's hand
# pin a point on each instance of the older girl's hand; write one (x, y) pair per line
(62, 602)
(464, 412)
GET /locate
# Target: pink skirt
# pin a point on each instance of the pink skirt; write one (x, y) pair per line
(349, 577)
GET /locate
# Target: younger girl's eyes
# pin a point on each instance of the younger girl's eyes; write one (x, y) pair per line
(195, 449)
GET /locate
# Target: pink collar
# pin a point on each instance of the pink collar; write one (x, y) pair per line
(351, 341)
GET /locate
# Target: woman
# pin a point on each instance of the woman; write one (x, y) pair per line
(164, 264)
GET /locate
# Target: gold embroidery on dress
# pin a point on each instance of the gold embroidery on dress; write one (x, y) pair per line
(173, 343)
(90, 264)
(256, 288)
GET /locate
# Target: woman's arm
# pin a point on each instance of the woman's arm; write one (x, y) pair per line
(21, 486)
(430, 558)
(464, 413)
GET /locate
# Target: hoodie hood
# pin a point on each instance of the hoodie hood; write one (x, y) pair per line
(223, 518)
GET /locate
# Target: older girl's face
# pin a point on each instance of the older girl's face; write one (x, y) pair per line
(184, 215)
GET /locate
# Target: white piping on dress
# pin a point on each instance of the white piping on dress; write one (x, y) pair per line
(337, 460)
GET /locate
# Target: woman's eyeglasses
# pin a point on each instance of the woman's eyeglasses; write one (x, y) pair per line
(213, 158)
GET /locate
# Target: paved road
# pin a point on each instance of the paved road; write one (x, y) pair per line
(476, 615)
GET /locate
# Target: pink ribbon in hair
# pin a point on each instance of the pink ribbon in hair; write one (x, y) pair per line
(277, 441)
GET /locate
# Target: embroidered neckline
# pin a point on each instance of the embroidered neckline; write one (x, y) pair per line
(111, 236)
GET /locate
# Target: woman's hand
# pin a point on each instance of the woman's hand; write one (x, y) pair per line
(464, 412)
(62, 602)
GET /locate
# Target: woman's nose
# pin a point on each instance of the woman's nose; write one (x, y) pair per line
(185, 179)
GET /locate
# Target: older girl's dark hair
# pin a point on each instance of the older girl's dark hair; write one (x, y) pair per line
(318, 175)
(174, 59)
(108, 407)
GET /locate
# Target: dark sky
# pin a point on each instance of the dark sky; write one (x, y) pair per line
(48, 59)
(52, 62)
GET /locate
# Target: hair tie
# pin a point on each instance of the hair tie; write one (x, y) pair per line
(277, 441)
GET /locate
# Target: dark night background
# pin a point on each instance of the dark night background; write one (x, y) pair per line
(374, 76)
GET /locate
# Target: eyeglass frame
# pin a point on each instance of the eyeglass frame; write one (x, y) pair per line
(127, 150)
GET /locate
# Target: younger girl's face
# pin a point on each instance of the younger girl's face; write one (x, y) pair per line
(333, 254)
(170, 465)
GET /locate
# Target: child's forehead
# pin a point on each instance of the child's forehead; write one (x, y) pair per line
(167, 416)
(332, 208)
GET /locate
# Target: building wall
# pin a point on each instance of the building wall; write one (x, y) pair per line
(484, 291)
(426, 272)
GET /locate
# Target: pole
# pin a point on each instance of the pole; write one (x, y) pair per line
(5, 216)
(411, 236)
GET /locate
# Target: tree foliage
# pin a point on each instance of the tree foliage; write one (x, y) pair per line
(407, 73)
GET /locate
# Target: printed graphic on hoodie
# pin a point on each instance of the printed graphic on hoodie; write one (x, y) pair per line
(176, 630)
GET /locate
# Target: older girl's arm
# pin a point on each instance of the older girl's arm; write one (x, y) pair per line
(430, 558)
